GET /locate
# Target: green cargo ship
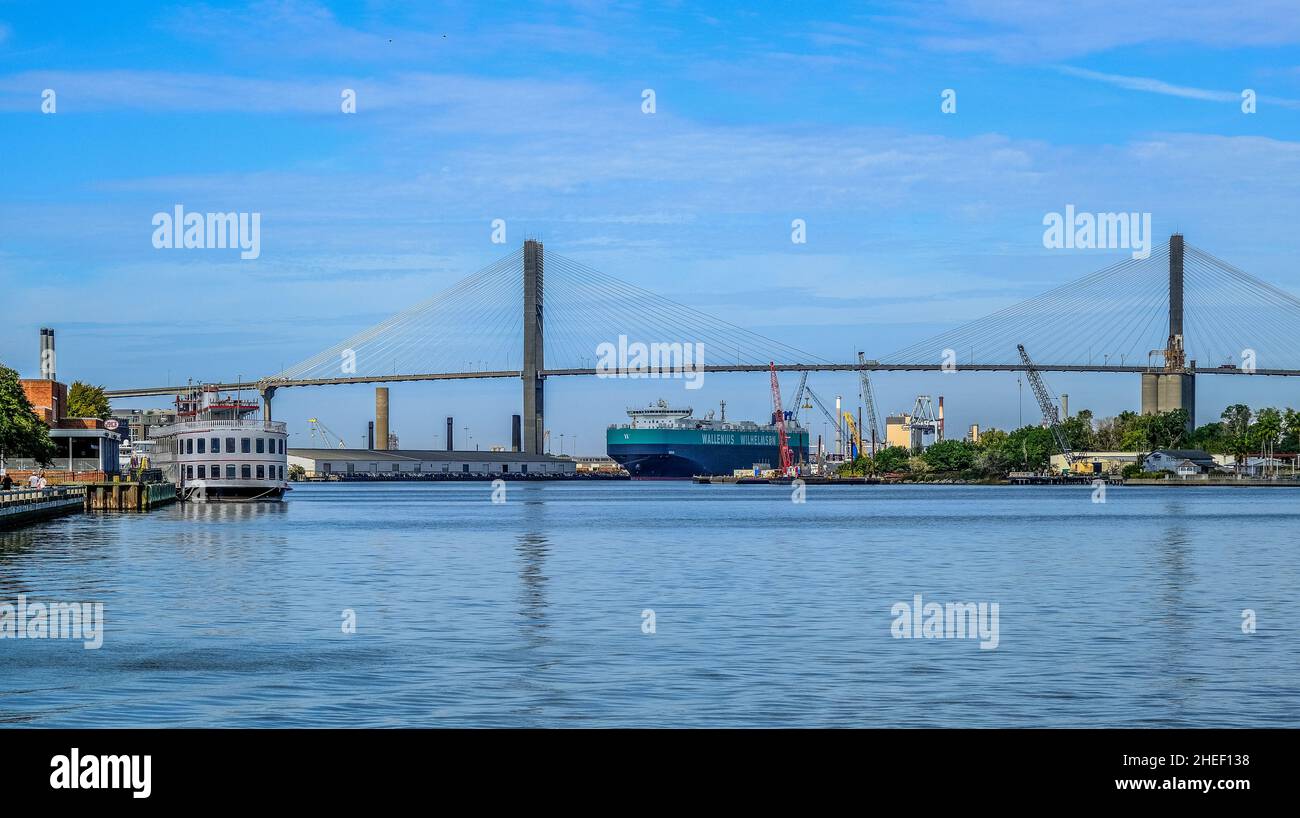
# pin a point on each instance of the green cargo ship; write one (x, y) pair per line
(661, 441)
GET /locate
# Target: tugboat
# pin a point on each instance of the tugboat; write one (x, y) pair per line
(663, 441)
(216, 451)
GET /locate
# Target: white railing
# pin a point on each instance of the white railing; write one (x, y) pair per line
(19, 499)
(198, 425)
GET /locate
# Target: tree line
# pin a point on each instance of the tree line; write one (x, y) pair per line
(1239, 432)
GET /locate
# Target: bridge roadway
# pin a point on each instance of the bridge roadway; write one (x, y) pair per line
(148, 391)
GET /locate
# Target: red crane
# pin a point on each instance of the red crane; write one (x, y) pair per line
(787, 459)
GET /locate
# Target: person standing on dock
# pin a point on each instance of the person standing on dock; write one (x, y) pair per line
(33, 480)
(6, 482)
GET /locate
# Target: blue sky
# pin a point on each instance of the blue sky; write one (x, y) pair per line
(531, 113)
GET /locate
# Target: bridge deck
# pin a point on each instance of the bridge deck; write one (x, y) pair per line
(814, 367)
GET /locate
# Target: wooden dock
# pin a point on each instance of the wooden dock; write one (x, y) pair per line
(128, 496)
(22, 506)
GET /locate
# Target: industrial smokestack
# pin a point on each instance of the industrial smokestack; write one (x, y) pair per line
(940, 430)
(370, 435)
(381, 416)
(450, 444)
(47, 368)
(516, 434)
(1065, 406)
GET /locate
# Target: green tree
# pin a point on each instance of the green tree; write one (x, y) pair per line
(1167, 430)
(892, 458)
(991, 440)
(1236, 431)
(22, 434)
(1267, 430)
(1212, 438)
(950, 456)
(1029, 448)
(1079, 433)
(87, 401)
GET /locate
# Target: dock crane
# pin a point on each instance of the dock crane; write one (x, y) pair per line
(332, 441)
(1047, 406)
(855, 438)
(830, 416)
(869, 398)
(798, 397)
(787, 457)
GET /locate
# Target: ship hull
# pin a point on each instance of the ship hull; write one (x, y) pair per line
(685, 453)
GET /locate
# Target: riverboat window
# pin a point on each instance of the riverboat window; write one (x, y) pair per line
(216, 471)
(397, 467)
(505, 468)
(523, 469)
(189, 445)
(189, 472)
(216, 445)
(230, 445)
(282, 472)
(230, 471)
(417, 468)
(246, 472)
(261, 445)
(464, 467)
(245, 445)
(281, 445)
(202, 441)
(261, 470)
(203, 471)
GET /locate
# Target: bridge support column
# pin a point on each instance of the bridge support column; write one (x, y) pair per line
(267, 394)
(534, 350)
(1175, 387)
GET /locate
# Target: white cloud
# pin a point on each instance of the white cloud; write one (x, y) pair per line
(1156, 86)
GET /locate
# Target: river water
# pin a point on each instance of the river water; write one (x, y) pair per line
(667, 603)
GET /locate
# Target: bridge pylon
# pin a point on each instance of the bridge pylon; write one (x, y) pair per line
(534, 350)
(1174, 387)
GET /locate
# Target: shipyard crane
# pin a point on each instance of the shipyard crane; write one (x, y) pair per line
(830, 416)
(332, 441)
(869, 398)
(1046, 404)
(798, 397)
(787, 459)
(855, 438)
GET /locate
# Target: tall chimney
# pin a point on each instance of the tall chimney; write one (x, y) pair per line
(1065, 405)
(48, 360)
(940, 430)
(516, 432)
(381, 416)
(450, 445)
(370, 435)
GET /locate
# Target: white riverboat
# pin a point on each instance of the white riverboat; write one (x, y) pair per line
(218, 451)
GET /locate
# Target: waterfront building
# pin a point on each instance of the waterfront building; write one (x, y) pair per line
(85, 450)
(898, 431)
(1180, 461)
(1095, 462)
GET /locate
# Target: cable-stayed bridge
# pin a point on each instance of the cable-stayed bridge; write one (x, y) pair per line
(1175, 314)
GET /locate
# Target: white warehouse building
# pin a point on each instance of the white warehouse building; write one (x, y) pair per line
(412, 463)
